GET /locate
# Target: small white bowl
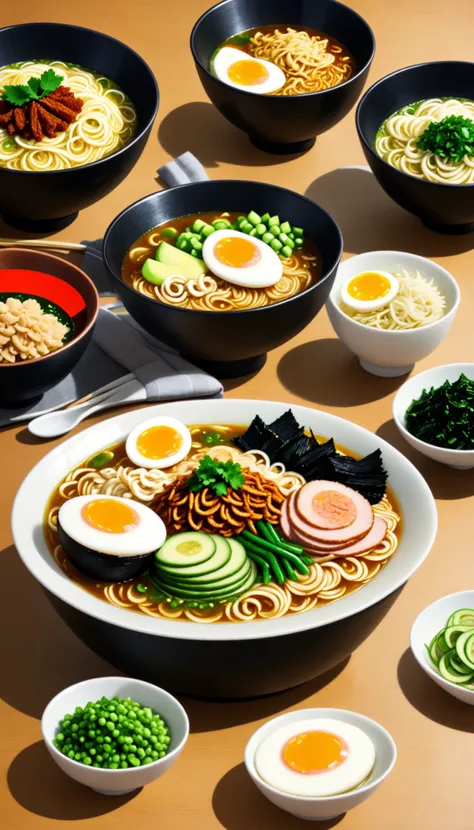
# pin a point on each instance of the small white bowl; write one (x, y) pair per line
(318, 809)
(410, 391)
(119, 781)
(392, 353)
(426, 625)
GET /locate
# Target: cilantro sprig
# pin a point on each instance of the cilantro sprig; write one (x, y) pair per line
(451, 138)
(20, 94)
(219, 476)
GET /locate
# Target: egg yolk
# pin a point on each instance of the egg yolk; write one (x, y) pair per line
(368, 286)
(315, 752)
(236, 252)
(247, 73)
(159, 442)
(110, 516)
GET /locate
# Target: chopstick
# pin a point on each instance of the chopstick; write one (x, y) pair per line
(42, 243)
(103, 392)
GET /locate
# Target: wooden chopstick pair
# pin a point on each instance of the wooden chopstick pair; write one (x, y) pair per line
(53, 245)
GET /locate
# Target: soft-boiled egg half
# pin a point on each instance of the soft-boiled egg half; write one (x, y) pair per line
(242, 260)
(107, 537)
(369, 290)
(158, 443)
(238, 69)
(318, 757)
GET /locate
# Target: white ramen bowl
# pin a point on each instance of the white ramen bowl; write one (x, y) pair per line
(318, 809)
(224, 660)
(116, 781)
(392, 353)
(426, 625)
(411, 390)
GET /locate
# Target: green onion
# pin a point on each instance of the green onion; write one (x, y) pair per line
(450, 138)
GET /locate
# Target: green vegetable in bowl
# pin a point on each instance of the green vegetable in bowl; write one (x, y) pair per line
(452, 649)
(101, 459)
(444, 417)
(113, 734)
(219, 476)
(450, 138)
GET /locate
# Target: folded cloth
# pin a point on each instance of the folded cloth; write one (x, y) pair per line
(183, 170)
(120, 346)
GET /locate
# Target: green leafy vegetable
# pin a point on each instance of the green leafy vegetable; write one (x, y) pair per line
(444, 417)
(239, 40)
(20, 94)
(219, 476)
(451, 138)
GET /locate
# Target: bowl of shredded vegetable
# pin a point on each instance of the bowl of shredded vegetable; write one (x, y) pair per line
(434, 412)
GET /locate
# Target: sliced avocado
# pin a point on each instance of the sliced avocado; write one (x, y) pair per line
(156, 272)
(188, 266)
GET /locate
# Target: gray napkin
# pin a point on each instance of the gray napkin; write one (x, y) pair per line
(184, 169)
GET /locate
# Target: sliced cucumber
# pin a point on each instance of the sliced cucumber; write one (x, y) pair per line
(465, 616)
(446, 671)
(456, 664)
(216, 584)
(465, 648)
(202, 593)
(434, 651)
(219, 558)
(441, 643)
(237, 560)
(452, 632)
(186, 549)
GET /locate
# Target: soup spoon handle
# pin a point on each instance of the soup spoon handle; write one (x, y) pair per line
(53, 424)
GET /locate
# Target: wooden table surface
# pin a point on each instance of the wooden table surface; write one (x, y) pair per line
(208, 788)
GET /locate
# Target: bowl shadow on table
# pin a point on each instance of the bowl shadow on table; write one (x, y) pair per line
(40, 787)
(370, 221)
(212, 715)
(216, 141)
(39, 640)
(238, 805)
(326, 372)
(444, 482)
(429, 699)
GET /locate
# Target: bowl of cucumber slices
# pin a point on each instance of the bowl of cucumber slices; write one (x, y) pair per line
(442, 642)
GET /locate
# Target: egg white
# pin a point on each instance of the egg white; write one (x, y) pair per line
(228, 56)
(147, 537)
(267, 271)
(370, 305)
(159, 463)
(353, 771)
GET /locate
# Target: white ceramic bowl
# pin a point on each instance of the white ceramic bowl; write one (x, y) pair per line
(426, 625)
(318, 809)
(120, 781)
(392, 353)
(214, 660)
(412, 389)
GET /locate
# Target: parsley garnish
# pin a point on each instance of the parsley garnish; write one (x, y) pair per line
(219, 476)
(451, 138)
(36, 88)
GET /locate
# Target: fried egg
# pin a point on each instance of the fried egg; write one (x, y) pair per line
(318, 757)
(242, 260)
(240, 70)
(112, 525)
(370, 290)
(158, 443)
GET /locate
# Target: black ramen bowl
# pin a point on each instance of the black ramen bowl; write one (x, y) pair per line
(49, 200)
(279, 123)
(230, 343)
(446, 208)
(42, 276)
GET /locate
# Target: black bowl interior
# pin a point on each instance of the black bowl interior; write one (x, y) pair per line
(90, 49)
(234, 16)
(442, 79)
(222, 196)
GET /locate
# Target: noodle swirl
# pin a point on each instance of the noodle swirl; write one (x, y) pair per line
(106, 123)
(396, 141)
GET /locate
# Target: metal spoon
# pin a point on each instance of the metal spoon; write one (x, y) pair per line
(57, 423)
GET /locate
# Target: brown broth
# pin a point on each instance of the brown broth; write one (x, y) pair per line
(335, 47)
(150, 240)
(96, 588)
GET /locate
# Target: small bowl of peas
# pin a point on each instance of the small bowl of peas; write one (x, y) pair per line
(114, 734)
